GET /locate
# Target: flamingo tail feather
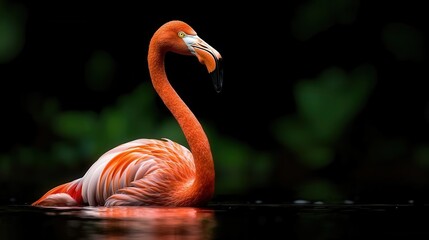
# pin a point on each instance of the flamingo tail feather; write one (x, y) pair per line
(67, 194)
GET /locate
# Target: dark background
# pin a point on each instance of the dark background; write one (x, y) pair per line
(322, 100)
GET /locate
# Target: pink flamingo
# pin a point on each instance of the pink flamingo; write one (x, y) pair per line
(150, 171)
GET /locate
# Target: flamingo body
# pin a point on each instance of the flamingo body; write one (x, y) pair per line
(151, 171)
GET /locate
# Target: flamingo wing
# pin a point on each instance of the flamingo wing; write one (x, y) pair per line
(140, 172)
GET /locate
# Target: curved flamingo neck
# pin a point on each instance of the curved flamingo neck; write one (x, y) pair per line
(203, 186)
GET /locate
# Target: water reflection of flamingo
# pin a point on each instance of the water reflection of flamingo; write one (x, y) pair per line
(153, 222)
(147, 222)
(149, 171)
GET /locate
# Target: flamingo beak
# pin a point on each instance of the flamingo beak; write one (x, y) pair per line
(217, 75)
(208, 56)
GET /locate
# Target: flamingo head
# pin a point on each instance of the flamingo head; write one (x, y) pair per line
(178, 37)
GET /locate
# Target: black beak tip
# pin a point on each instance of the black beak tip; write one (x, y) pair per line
(217, 76)
(218, 89)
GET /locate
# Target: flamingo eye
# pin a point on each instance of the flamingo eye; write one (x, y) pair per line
(181, 34)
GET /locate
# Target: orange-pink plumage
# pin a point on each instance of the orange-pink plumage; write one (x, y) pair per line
(150, 171)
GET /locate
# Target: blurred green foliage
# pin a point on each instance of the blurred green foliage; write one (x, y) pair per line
(320, 190)
(239, 168)
(421, 154)
(315, 16)
(326, 106)
(100, 71)
(405, 42)
(93, 133)
(12, 22)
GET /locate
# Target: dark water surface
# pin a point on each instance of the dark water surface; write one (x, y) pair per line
(218, 221)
